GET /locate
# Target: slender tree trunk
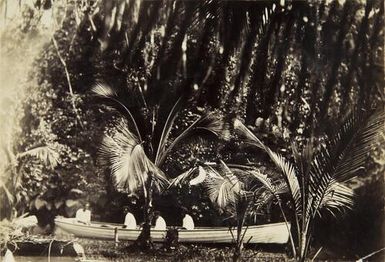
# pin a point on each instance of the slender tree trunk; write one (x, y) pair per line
(132, 37)
(144, 240)
(302, 247)
(241, 215)
(149, 25)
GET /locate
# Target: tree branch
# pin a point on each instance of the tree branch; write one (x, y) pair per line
(68, 80)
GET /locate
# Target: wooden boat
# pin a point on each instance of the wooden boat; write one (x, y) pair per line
(276, 233)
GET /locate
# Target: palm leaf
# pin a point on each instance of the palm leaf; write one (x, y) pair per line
(210, 123)
(167, 130)
(342, 155)
(267, 183)
(124, 155)
(204, 173)
(355, 149)
(290, 174)
(286, 167)
(264, 196)
(247, 135)
(107, 92)
(213, 123)
(46, 154)
(103, 90)
(182, 178)
(200, 178)
(223, 191)
(337, 197)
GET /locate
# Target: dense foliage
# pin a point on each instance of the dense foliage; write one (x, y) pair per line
(288, 69)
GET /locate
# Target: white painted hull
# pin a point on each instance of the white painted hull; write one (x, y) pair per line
(276, 233)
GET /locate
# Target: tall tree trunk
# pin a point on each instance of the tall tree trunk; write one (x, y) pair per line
(259, 72)
(316, 74)
(308, 57)
(363, 75)
(167, 68)
(338, 54)
(246, 58)
(135, 32)
(231, 29)
(374, 42)
(272, 92)
(135, 51)
(360, 43)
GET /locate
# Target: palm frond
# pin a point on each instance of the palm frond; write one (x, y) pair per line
(200, 178)
(124, 155)
(204, 173)
(214, 124)
(342, 155)
(355, 149)
(262, 199)
(210, 123)
(223, 191)
(182, 178)
(103, 90)
(46, 154)
(167, 130)
(107, 92)
(270, 190)
(338, 198)
(245, 133)
(263, 196)
(275, 187)
(286, 167)
(290, 174)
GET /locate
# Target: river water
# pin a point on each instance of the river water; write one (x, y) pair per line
(43, 259)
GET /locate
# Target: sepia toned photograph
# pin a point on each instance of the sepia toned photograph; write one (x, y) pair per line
(192, 130)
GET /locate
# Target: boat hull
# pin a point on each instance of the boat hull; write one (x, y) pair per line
(276, 233)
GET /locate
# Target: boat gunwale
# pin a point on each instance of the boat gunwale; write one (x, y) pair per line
(98, 225)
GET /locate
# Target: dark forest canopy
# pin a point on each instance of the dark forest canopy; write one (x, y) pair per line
(289, 70)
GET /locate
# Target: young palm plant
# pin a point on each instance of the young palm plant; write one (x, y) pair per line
(235, 192)
(315, 178)
(11, 175)
(139, 145)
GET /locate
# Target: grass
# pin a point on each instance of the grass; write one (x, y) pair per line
(107, 251)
